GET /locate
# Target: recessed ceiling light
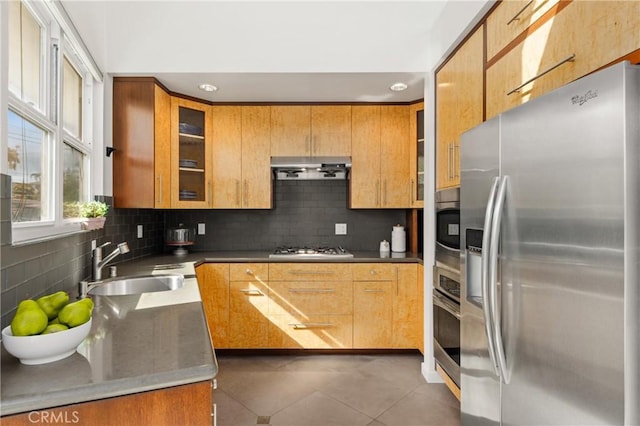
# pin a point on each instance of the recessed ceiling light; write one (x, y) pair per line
(398, 87)
(208, 87)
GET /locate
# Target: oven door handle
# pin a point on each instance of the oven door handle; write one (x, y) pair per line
(487, 309)
(446, 304)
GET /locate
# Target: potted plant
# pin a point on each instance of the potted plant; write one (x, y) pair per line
(93, 214)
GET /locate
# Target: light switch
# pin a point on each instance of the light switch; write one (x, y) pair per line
(341, 229)
(201, 229)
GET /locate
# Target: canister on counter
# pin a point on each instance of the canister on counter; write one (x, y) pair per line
(398, 239)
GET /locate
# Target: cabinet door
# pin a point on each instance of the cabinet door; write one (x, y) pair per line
(459, 100)
(190, 154)
(213, 281)
(596, 32)
(394, 156)
(365, 158)
(416, 154)
(331, 130)
(227, 157)
(290, 130)
(372, 314)
(408, 308)
(141, 132)
(248, 323)
(510, 18)
(295, 331)
(256, 163)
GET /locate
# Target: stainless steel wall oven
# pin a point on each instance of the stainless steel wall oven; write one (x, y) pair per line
(446, 321)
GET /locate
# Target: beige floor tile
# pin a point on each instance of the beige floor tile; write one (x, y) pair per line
(400, 369)
(369, 395)
(230, 412)
(416, 409)
(319, 410)
(438, 392)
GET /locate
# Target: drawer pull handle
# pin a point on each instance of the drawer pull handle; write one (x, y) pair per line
(373, 290)
(569, 58)
(372, 272)
(517, 15)
(306, 325)
(249, 271)
(311, 290)
(251, 292)
(301, 272)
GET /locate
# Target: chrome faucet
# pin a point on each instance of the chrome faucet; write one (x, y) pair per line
(97, 262)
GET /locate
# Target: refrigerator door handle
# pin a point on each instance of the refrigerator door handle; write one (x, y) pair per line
(496, 223)
(484, 278)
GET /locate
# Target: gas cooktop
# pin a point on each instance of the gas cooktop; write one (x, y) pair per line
(294, 252)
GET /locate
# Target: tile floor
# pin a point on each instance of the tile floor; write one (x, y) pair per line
(322, 390)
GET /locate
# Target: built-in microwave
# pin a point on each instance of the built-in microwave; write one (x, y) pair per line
(447, 204)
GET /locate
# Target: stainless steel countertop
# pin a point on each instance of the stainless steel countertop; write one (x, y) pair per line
(137, 343)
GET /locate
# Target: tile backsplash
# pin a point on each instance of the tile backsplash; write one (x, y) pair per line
(304, 212)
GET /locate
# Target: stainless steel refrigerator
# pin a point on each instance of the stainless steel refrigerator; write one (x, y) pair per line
(550, 215)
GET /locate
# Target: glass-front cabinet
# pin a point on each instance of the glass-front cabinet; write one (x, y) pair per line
(190, 154)
(417, 154)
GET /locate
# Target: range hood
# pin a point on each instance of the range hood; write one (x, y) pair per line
(310, 168)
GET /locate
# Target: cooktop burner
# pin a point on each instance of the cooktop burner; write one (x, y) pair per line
(295, 252)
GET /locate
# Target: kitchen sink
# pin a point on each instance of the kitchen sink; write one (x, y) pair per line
(120, 286)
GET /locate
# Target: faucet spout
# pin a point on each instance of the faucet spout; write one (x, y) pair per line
(97, 262)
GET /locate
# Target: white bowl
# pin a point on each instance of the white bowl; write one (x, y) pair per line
(44, 348)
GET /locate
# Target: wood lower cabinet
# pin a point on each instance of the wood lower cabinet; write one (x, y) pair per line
(213, 281)
(459, 106)
(310, 305)
(380, 172)
(248, 305)
(408, 307)
(141, 130)
(313, 305)
(190, 404)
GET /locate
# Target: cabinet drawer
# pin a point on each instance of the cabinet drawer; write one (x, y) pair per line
(310, 332)
(305, 298)
(249, 272)
(309, 272)
(597, 33)
(510, 19)
(374, 272)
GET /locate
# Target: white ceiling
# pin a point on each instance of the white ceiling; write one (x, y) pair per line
(275, 51)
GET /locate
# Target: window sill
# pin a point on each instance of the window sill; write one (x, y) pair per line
(25, 235)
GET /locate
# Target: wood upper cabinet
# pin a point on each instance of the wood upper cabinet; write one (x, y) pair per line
(191, 135)
(241, 170)
(590, 33)
(290, 130)
(510, 19)
(141, 130)
(213, 281)
(416, 153)
(380, 173)
(256, 163)
(459, 106)
(331, 130)
(305, 130)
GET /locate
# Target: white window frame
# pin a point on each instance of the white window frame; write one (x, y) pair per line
(54, 22)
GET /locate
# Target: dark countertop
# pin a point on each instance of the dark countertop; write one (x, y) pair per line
(137, 343)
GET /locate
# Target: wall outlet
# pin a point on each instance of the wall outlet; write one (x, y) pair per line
(341, 229)
(94, 244)
(140, 231)
(201, 229)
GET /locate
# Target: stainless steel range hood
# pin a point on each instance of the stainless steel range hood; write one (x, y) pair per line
(310, 168)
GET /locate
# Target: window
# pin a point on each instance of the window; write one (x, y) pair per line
(48, 149)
